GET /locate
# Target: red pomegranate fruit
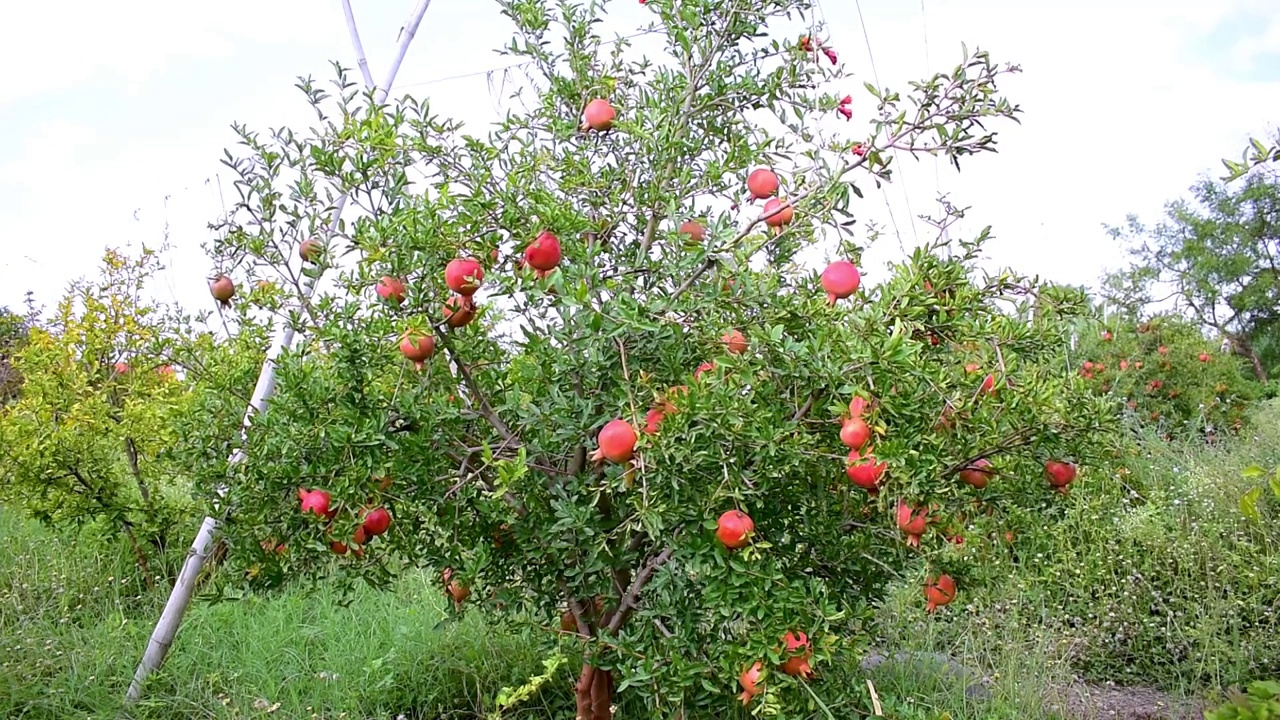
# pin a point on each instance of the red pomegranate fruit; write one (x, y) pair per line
(222, 289)
(913, 523)
(940, 592)
(338, 547)
(418, 348)
(121, 368)
(1060, 474)
(459, 310)
(704, 367)
(855, 433)
(734, 529)
(316, 501)
(376, 521)
(390, 289)
(464, 275)
(796, 645)
(544, 252)
(762, 183)
(653, 420)
(617, 442)
(840, 280)
(310, 250)
(864, 471)
(598, 115)
(750, 679)
(694, 230)
(1204, 357)
(988, 386)
(734, 341)
(778, 213)
(977, 474)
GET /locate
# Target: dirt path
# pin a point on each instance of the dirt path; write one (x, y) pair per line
(1107, 702)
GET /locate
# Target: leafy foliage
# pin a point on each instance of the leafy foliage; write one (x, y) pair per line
(1217, 254)
(483, 456)
(83, 441)
(1169, 377)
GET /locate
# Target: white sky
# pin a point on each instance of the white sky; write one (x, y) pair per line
(114, 120)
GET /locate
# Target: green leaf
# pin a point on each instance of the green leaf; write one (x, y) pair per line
(1249, 504)
(1253, 471)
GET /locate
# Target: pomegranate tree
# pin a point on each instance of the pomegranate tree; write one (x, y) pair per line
(681, 461)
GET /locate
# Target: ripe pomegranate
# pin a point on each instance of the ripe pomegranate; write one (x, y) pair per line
(778, 213)
(222, 289)
(617, 442)
(704, 367)
(360, 537)
(1106, 336)
(310, 250)
(1124, 365)
(750, 679)
(598, 115)
(316, 501)
(338, 547)
(390, 289)
(459, 310)
(943, 590)
(734, 341)
(762, 183)
(1088, 365)
(855, 432)
(914, 523)
(1162, 350)
(653, 420)
(840, 280)
(694, 229)
(418, 348)
(121, 368)
(971, 368)
(988, 386)
(1060, 474)
(797, 665)
(463, 275)
(864, 471)
(1204, 357)
(457, 592)
(166, 371)
(977, 474)
(544, 252)
(734, 529)
(376, 521)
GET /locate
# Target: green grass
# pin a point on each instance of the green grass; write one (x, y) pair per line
(1154, 577)
(72, 628)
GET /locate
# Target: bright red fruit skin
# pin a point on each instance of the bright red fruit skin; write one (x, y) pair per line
(734, 529)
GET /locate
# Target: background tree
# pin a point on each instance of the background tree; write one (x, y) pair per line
(13, 336)
(572, 436)
(81, 443)
(1218, 256)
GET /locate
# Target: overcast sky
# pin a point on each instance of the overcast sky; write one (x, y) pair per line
(115, 115)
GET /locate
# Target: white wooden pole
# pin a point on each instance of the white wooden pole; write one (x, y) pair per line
(180, 598)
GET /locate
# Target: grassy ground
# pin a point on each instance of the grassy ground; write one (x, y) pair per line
(1155, 577)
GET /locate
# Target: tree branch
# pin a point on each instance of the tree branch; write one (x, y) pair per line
(630, 598)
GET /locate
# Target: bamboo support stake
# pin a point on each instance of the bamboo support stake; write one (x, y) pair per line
(180, 598)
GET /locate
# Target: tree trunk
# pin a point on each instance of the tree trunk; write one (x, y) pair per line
(1242, 347)
(131, 451)
(144, 565)
(593, 693)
